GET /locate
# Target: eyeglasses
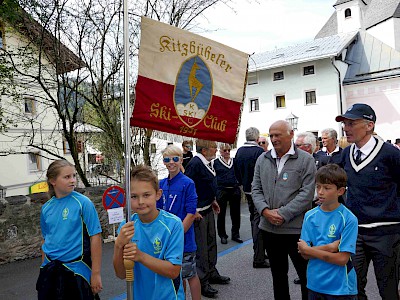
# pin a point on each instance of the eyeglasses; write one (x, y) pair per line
(262, 143)
(168, 159)
(300, 145)
(353, 123)
(226, 150)
(188, 146)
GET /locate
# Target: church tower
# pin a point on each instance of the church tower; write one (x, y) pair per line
(349, 15)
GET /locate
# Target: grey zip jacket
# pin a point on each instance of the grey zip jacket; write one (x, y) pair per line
(292, 191)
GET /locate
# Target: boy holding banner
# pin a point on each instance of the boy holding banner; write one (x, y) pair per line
(153, 239)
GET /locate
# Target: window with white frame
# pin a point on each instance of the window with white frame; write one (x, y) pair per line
(311, 97)
(280, 101)
(254, 104)
(308, 70)
(347, 13)
(34, 161)
(30, 105)
(279, 76)
(252, 78)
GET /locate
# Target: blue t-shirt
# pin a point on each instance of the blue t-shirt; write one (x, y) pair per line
(63, 222)
(321, 228)
(179, 198)
(162, 239)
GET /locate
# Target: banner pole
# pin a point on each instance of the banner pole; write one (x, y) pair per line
(129, 265)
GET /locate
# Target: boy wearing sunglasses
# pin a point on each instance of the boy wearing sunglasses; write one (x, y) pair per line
(179, 198)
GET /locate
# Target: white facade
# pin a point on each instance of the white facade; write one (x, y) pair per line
(373, 79)
(22, 165)
(388, 32)
(384, 97)
(312, 117)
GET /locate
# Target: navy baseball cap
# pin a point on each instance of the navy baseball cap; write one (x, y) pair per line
(358, 111)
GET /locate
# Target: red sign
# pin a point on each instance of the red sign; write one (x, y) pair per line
(114, 197)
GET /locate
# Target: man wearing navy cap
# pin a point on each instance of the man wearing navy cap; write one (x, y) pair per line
(373, 171)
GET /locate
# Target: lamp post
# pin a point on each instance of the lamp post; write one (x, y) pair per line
(292, 120)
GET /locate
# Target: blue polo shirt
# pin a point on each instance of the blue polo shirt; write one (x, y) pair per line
(179, 198)
(162, 239)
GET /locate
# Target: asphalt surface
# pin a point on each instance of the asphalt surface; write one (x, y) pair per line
(18, 279)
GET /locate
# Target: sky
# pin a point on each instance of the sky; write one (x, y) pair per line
(263, 25)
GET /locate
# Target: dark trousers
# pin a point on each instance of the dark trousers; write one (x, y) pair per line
(59, 283)
(231, 195)
(258, 243)
(206, 241)
(279, 247)
(384, 253)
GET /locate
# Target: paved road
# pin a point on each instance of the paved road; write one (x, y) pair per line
(235, 260)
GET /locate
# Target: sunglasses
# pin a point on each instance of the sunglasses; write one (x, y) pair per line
(174, 159)
(226, 150)
(261, 143)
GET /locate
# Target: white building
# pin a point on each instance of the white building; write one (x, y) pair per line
(354, 58)
(23, 155)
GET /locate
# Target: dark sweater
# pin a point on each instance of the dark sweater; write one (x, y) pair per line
(374, 187)
(225, 174)
(335, 158)
(245, 161)
(204, 180)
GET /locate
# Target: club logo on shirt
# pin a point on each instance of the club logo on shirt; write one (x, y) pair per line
(65, 213)
(157, 244)
(332, 230)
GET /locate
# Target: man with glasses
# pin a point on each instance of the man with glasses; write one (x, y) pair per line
(187, 153)
(307, 142)
(201, 171)
(245, 160)
(227, 192)
(263, 142)
(373, 195)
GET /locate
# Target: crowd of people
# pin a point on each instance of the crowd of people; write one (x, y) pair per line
(332, 208)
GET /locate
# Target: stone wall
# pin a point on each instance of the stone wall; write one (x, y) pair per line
(20, 234)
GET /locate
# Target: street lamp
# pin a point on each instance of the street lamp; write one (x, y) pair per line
(292, 120)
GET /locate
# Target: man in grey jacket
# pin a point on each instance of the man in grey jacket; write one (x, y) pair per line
(283, 189)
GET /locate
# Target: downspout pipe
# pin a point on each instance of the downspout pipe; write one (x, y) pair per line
(340, 88)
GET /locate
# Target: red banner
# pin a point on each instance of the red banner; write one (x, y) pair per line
(187, 84)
